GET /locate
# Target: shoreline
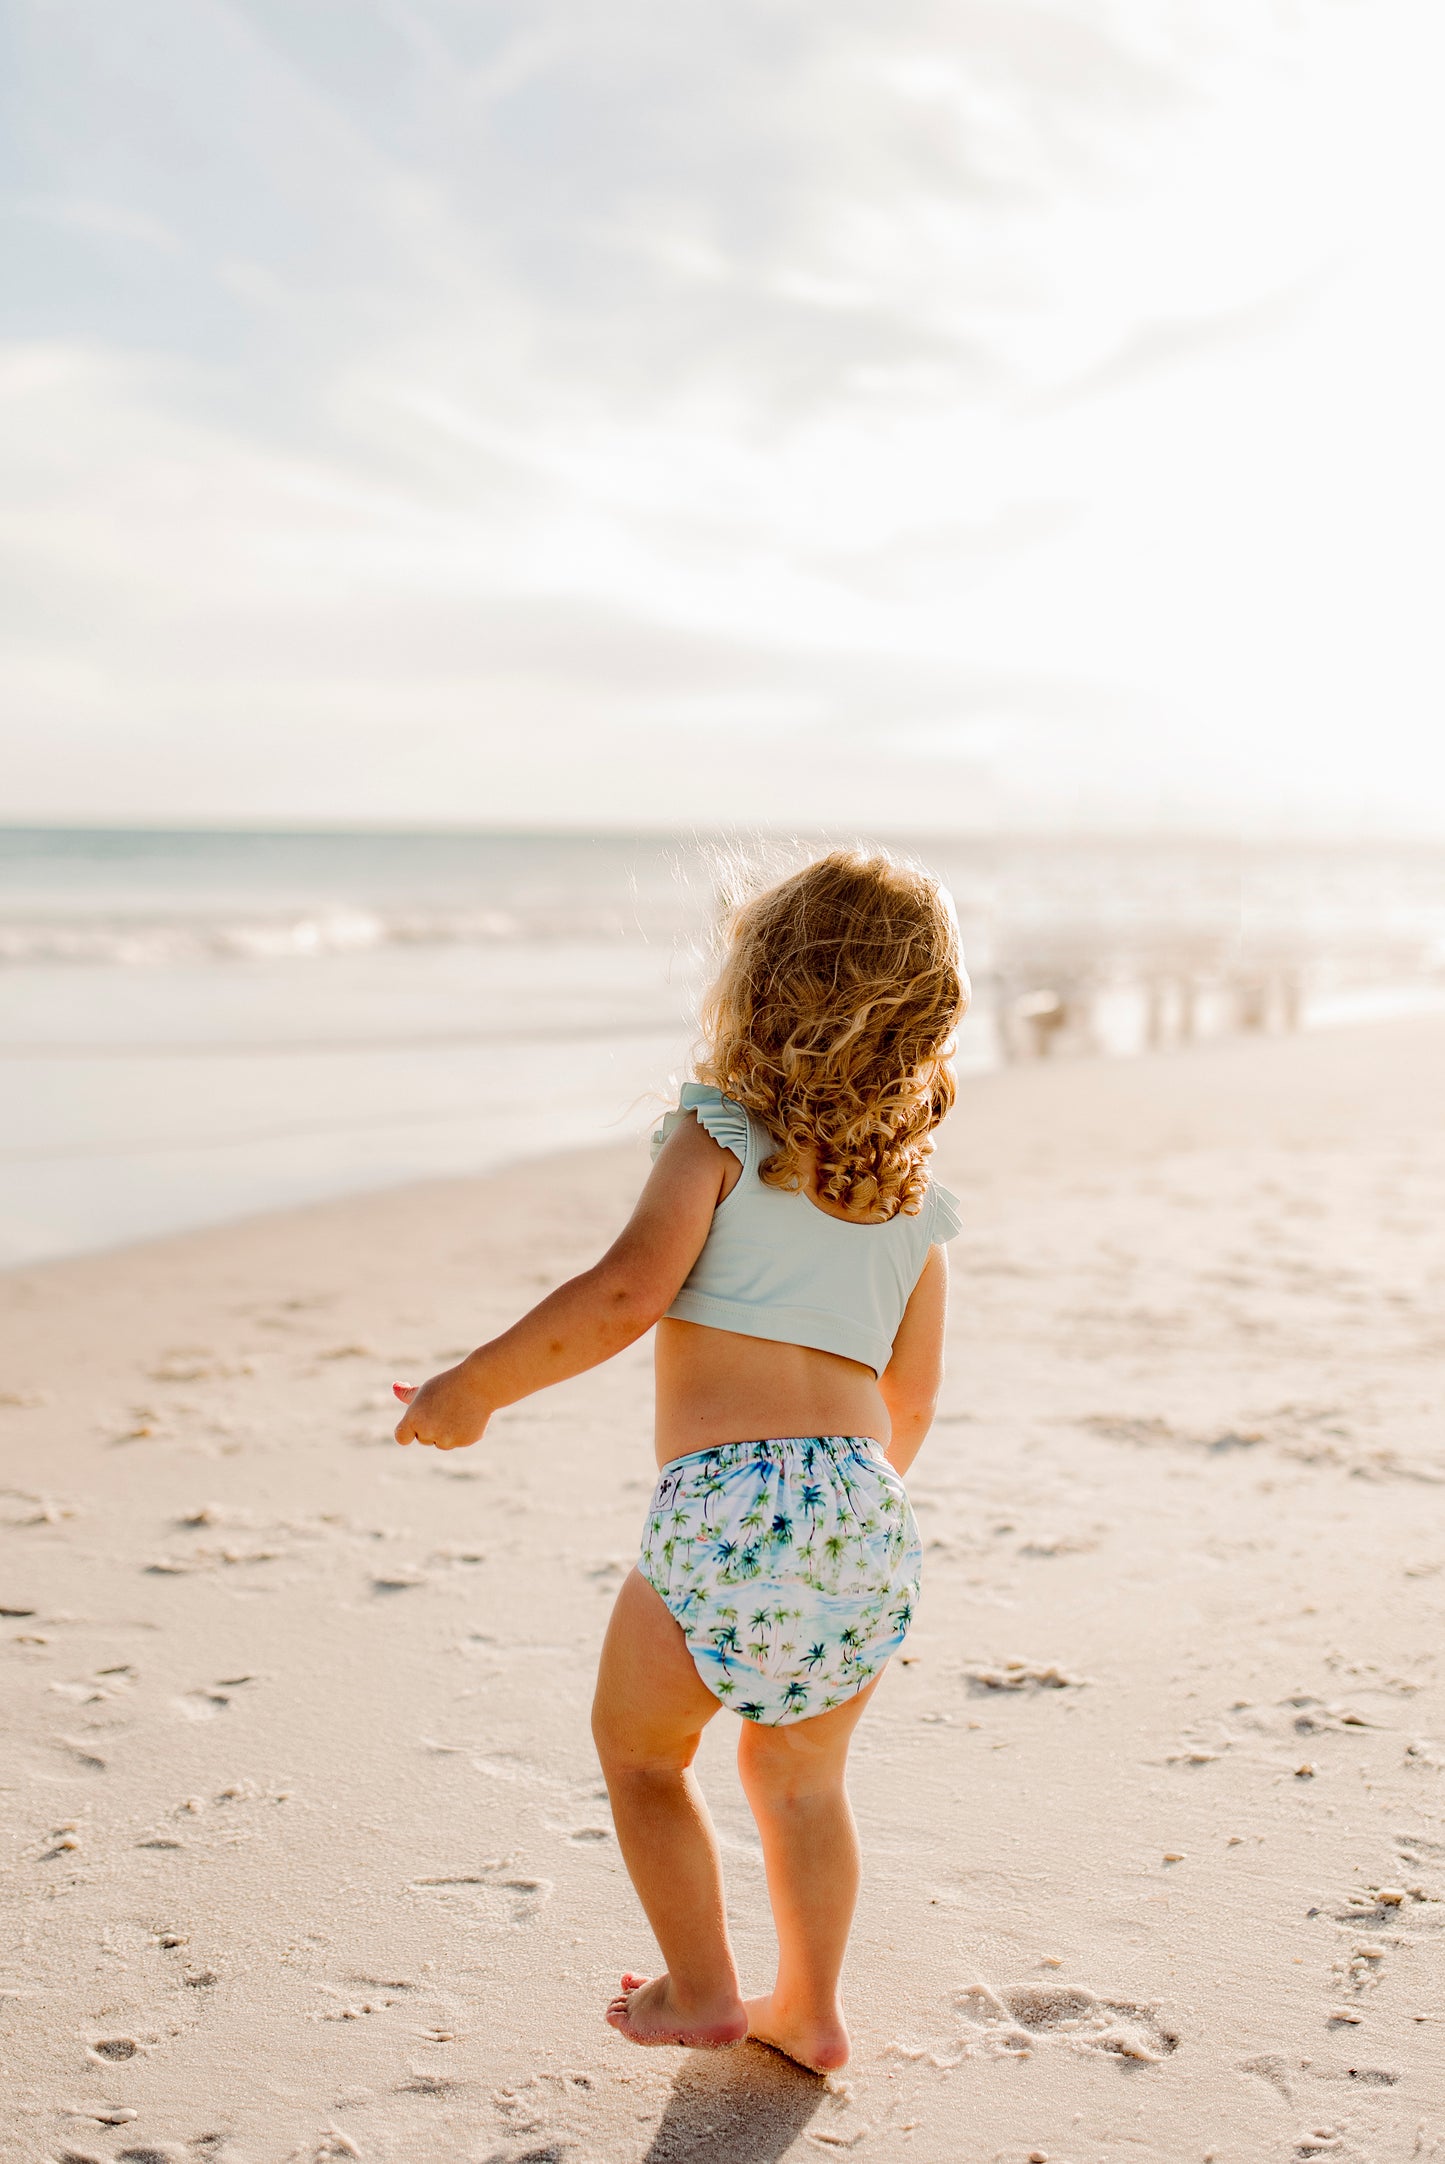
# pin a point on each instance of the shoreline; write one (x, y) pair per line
(1368, 1010)
(204, 1026)
(310, 1856)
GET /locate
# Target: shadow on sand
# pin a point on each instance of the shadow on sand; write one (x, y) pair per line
(746, 2106)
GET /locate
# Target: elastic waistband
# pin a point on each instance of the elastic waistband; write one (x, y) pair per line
(724, 1456)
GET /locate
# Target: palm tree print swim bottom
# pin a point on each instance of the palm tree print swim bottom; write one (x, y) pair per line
(792, 1565)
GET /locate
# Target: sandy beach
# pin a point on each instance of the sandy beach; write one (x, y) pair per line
(307, 1855)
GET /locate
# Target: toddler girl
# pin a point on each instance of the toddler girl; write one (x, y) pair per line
(788, 1246)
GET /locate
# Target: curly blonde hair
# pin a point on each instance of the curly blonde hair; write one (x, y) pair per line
(832, 1019)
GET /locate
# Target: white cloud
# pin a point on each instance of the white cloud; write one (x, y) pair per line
(553, 412)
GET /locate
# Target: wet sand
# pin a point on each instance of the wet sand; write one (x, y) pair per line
(307, 1852)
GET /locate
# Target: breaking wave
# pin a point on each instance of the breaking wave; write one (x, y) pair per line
(303, 936)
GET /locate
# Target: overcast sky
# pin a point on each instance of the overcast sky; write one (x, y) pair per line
(797, 410)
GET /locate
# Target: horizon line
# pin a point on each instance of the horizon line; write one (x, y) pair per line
(763, 830)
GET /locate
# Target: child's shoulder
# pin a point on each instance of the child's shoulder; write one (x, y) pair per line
(721, 1117)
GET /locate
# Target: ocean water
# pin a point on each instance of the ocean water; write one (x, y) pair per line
(198, 1026)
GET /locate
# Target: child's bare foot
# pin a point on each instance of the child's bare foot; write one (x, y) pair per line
(819, 2044)
(645, 2013)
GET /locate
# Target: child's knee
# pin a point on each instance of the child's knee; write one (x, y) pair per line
(629, 1752)
(778, 1768)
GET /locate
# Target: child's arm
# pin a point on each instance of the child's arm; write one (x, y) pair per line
(591, 1317)
(910, 1382)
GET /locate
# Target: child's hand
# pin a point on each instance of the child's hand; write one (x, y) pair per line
(448, 1412)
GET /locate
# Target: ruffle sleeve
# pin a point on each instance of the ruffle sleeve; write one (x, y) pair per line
(725, 1121)
(947, 1215)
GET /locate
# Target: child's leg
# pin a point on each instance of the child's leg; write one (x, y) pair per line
(648, 1717)
(794, 1780)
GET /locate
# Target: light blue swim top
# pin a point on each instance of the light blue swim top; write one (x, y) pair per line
(776, 1266)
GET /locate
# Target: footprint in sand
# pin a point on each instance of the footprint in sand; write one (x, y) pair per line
(19, 1508)
(333, 2143)
(206, 1559)
(208, 1700)
(1013, 2022)
(351, 2010)
(1045, 1546)
(201, 1705)
(488, 1903)
(1375, 1911)
(1359, 1972)
(1274, 2068)
(80, 1753)
(110, 2049)
(1021, 1676)
(1120, 2028)
(421, 2082)
(534, 2108)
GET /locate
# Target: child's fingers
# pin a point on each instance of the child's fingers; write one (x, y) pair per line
(407, 1431)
